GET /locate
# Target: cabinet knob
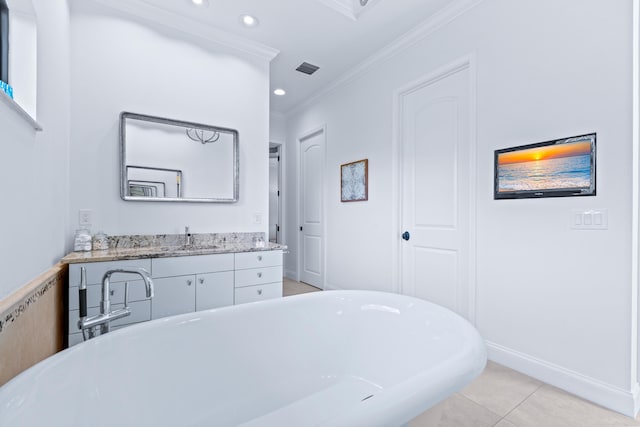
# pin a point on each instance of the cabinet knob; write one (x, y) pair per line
(189, 282)
(259, 257)
(259, 274)
(201, 280)
(112, 292)
(259, 291)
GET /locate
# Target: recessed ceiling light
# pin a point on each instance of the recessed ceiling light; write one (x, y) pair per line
(279, 92)
(204, 3)
(249, 21)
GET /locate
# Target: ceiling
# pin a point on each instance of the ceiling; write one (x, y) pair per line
(335, 35)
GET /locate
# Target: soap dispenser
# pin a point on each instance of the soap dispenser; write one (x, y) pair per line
(82, 240)
(100, 241)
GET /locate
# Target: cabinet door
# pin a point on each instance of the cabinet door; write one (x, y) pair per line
(173, 295)
(214, 290)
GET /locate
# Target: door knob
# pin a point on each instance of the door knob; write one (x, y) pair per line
(406, 235)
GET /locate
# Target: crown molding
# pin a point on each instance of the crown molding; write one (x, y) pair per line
(342, 7)
(214, 36)
(423, 30)
(349, 8)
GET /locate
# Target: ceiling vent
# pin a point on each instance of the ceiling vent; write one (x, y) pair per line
(307, 68)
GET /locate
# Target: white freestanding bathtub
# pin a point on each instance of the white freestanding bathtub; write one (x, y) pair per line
(340, 358)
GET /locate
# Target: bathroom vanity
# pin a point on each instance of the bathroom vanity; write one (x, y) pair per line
(185, 280)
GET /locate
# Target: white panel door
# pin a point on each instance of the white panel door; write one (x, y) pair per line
(434, 120)
(311, 200)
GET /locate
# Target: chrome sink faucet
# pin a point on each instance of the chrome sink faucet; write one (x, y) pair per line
(106, 316)
(187, 236)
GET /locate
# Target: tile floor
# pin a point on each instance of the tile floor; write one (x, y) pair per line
(502, 397)
(291, 287)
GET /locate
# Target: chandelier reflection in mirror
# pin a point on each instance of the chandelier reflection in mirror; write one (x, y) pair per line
(159, 161)
(202, 135)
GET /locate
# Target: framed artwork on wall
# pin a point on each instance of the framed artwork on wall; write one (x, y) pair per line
(354, 181)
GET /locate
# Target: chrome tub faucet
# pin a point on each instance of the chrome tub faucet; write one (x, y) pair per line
(88, 325)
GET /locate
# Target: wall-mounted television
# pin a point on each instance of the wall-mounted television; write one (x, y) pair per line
(557, 168)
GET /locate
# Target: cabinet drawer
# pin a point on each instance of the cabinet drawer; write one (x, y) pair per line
(95, 271)
(258, 259)
(179, 266)
(137, 292)
(258, 293)
(140, 312)
(258, 276)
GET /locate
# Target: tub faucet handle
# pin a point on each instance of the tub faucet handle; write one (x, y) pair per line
(126, 295)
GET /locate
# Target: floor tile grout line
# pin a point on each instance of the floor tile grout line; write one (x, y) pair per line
(480, 405)
(519, 404)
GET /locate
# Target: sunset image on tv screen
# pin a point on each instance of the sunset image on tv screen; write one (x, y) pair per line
(552, 167)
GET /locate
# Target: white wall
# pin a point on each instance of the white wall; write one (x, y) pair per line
(119, 64)
(33, 167)
(551, 301)
(277, 128)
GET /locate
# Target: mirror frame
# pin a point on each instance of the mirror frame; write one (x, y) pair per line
(123, 159)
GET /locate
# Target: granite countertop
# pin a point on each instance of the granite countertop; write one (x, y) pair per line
(164, 246)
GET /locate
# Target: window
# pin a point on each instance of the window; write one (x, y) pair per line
(4, 41)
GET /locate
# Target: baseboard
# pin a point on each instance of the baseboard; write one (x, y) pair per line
(612, 397)
(291, 274)
(332, 287)
(636, 399)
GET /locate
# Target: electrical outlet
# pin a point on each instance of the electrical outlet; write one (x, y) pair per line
(85, 217)
(257, 218)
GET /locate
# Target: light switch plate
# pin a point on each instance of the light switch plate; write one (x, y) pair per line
(85, 217)
(589, 219)
(257, 218)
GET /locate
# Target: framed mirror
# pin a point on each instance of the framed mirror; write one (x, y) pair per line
(164, 160)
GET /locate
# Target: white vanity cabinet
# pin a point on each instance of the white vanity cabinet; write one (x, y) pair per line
(186, 284)
(181, 285)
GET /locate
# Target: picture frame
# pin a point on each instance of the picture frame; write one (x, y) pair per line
(354, 181)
